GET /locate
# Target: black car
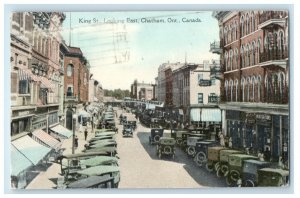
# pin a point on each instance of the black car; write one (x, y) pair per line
(156, 134)
(127, 130)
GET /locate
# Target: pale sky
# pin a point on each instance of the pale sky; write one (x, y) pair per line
(121, 52)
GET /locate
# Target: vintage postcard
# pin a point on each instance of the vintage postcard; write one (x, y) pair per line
(149, 99)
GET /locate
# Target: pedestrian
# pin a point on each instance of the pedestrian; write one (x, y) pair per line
(222, 139)
(85, 134)
(230, 143)
(76, 142)
(260, 156)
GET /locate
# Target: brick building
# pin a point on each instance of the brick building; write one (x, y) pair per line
(253, 51)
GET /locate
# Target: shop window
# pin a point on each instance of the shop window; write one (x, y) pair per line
(23, 87)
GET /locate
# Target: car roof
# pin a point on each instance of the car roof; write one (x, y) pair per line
(99, 170)
(98, 160)
(82, 155)
(90, 181)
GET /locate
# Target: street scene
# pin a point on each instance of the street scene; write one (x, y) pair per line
(137, 100)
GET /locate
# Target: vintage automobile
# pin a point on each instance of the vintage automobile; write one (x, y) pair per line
(166, 146)
(101, 144)
(105, 181)
(250, 169)
(71, 163)
(223, 169)
(123, 119)
(103, 141)
(99, 138)
(191, 144)
(132, 123)
(201, 152)
(155, 135)
(190, 134)
(99, 160)
(109, 150)
(111, 170)
(273, 177)
(127, 130)
(235, 164)
(107, 133)
(213, 158)
(177, 135)
(154, 123)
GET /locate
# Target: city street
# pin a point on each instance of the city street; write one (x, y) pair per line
(140, 167)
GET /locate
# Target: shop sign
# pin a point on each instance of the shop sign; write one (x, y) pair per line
(22, 113)
(263, 117)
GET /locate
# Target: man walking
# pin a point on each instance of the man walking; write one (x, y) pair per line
(85, 134)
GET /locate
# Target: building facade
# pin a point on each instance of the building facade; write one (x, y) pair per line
(253, 51)
(142, 91)
(96, 92)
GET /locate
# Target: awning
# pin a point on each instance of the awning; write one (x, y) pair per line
(19, 162)
(48, 140)
(62, 131)
(211, 115)
(23, 75)
(195, 115)
(32, 150)
(46, 83)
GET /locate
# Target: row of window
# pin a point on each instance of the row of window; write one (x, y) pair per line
(45, 45)
(70, 73)
(252, 88)
(250, 52)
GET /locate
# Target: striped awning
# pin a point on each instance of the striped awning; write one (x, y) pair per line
(18, 161)
(31, 149)
(62, 131)
(46, 83)
(23, 75)
(46, 139)
(211, 115)
(195, 115)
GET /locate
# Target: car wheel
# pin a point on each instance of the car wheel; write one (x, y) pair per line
(156, 138)
(249, 183)
(209, 167)
(219, 172)
(191, 150)
(200, 158)
(179, 141)
(225, 170)
(217, 165)
(167, 150)
(234, 175)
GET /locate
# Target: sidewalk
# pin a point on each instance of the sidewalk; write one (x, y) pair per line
(47, 179)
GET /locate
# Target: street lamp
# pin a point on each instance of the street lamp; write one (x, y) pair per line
(74, 127)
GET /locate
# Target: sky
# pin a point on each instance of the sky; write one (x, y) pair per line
(121, 48)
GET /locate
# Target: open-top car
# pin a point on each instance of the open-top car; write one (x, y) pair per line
(250, 169)
(127, 130)
(155, 135)
(191, 144)
(166, 146)
(273, 177)
(236, 163)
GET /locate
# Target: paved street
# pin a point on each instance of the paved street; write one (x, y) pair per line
(140, 166)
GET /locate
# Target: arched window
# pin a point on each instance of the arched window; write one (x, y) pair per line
(236, 31)
(258, 50)
(275, 87)
(268, 86)
(281, 42)
(253, 88)
(226, 59)
(231, 90)
(253, 53)
(275, 43)
(225, 35)
(252, 22)
(259, 88)
(231, 59)
(242, 56)
(247, 24)
(236, 58)
(243, 89)
(248, 89)
(236, 90)
(226, 90)
(281, 86)
(70, 69)
(242, 26)
(247, 55)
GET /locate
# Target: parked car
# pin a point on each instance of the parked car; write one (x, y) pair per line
(177, 135)
(105, 181)
(166, 146)
(250, 169)
(127, 130)
(201, 152)
(235, 164)
(191, 144)
(155, 135)
(223, 168)
(213, 158)
(273, 177)
(132, 123)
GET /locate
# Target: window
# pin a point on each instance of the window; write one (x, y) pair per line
(23, 87)
(200, 98)
(236, 90)
(231, 90)
(243, 89)
(226, 89)
(70, 91)
(253, 53)
(69, 70)
(259, 88)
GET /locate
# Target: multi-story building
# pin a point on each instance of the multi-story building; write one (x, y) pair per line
(142, 90)
(76, 82)
(164, 85)
(35, 82)
(253, 51)
(96, 93)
